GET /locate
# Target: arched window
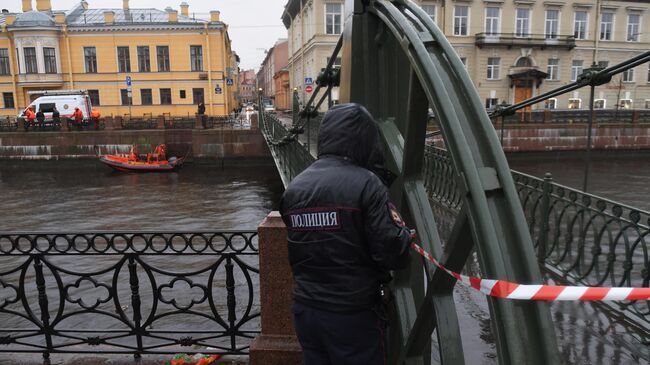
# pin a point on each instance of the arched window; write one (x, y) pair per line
(524, 62)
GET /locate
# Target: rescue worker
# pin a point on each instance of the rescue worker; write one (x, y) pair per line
(344, 237)
(95, 115)
(56, 118)
(78, 117)
(40, 117)
(29, 117)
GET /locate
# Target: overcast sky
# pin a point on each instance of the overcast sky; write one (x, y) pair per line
(254, 25)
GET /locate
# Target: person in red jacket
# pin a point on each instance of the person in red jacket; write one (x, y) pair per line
(30, 116)
(78, 116)
(95, 115)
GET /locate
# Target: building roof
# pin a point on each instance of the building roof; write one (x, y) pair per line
(34, 19)
(290, 11)
(80, 16)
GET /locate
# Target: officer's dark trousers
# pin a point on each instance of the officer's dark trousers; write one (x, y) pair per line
(331, 338)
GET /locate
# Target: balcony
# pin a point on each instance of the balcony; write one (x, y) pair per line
(510, 40)
(40, 79)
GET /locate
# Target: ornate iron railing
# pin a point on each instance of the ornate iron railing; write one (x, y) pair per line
(581, 238)
(130, 293)
(291, 156)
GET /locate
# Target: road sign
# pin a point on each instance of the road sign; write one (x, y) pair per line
(217, 90)
(309, 88)
(309, 81)
(229, 82)
(128, 81)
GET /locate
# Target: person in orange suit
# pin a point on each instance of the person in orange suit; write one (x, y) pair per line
(30, 116)
(78, 117)
(95, 115)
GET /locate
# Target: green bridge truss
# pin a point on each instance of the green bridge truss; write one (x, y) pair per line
(397, 63)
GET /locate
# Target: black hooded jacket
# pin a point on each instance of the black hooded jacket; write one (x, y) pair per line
(343, 235)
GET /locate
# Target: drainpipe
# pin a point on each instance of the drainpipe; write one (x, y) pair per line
(224, 74)
(67, 46)
(596, 33)
(16, 68)
(210, 91)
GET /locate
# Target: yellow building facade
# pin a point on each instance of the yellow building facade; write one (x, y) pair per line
(174, 61)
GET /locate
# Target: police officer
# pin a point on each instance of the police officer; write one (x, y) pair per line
(344, 238)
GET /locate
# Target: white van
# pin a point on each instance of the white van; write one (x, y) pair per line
(65, 102)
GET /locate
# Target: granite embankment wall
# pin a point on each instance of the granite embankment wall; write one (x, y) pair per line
(201, 143)
(572, 137)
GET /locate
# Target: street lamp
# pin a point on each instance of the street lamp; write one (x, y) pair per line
(588, 73)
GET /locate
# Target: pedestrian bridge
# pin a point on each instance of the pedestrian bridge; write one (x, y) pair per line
(467, 206)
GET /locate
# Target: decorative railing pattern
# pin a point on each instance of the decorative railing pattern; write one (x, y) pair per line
(130, 293)
(291, 156)
(581, 238)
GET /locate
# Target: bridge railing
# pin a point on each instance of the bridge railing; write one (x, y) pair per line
(290, 151)
(581, 238)
(129, 292)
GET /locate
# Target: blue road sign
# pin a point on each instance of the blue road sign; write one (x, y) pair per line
(309, 81)
(229, 82)
(128, 81)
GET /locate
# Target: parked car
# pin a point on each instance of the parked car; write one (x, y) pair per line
(269, 108)
(64, 101)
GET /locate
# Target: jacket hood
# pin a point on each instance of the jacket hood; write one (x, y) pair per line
(348, 130)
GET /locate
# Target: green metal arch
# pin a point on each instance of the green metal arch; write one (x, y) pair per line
(397, 63)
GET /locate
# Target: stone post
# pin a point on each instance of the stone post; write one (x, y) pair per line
(277, 344)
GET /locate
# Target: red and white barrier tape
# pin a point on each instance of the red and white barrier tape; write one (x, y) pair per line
(509, 290)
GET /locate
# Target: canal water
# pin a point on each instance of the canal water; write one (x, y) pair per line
(74, 196)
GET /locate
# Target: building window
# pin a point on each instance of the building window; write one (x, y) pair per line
(580, 25)
(461, 20)
(8, 100)
(49, 56)
(599, 103)
(183, 94)
(492, 15)
(576, 69)
(94, 97)
(647, 103)
(491, 103)
(162, 53)
(90, 59)
(5, 69)
(144, 60)
(337, 62)
(493, 68)
(603, 64)
(123, 59)
(430, 10)
(124, 96)
(522, 22)
(552, 21)
(550, 103)
(575, 103)
(31, 66)
(333, 18)
(196, 58)
(146, 97)
(633, 22)
(606, 26)
(197, 96)
(165, 96)
(625, 104)
(628, 75)
(553, 69)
